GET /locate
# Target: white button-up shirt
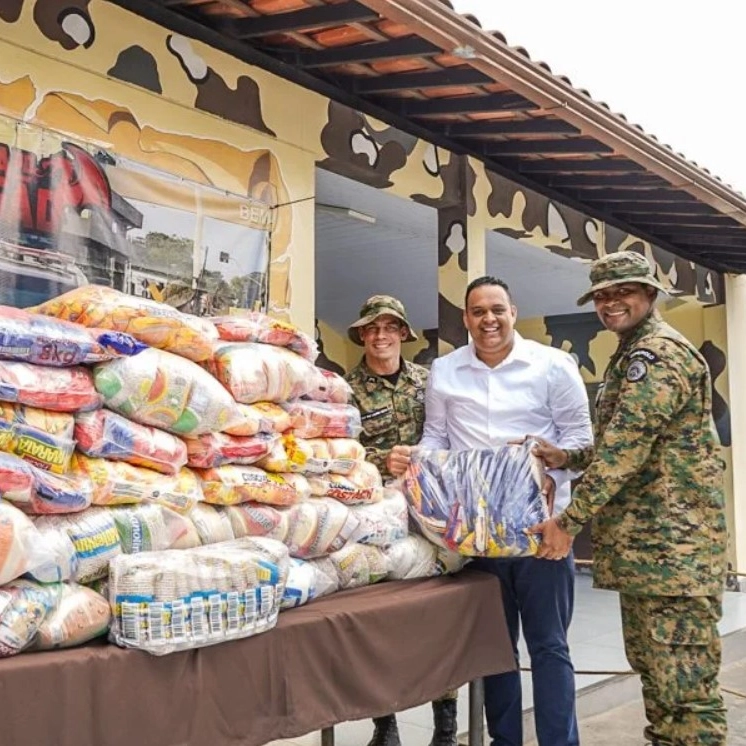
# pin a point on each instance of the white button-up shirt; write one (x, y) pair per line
(536, 390)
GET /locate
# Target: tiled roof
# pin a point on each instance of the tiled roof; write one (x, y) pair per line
(420, 66)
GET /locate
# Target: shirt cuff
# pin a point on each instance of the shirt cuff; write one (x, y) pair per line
(568, 525)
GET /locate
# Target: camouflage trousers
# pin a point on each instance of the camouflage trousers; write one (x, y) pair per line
(673, 643)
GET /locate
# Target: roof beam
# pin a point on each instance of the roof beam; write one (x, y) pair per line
(707, 239)
(573, 165)
(661, 196)
(321, 16)
(449, 76)
(375, 51)
(639, 212)
(530, 147)
(492, 102)
(602, 181)
(537, 126)
(668, 216)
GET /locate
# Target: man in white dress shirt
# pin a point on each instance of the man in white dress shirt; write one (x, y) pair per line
(499, 388)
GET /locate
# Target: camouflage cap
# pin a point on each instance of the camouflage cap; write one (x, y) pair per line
(614, 269)
(380, 305)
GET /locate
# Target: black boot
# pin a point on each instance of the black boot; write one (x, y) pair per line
(444, 718)
(386, 732)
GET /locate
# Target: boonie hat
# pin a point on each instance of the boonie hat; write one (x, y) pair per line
(614, 269)
(380, 305)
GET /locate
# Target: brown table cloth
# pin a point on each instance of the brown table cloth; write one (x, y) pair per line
(355, 654)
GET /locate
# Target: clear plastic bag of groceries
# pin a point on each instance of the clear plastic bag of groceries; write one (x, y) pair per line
(362, 485)
(106, 434)
(478, 502)
(183, 599)
(255, 372)
(329, 386)
(307, 581)
(215, 449)
(24, 605)
(315, 419)
(41, 437)
(258, 327)
(416, 557)
(233, 484)
(41, 340)
(318, 527)
(156, 324)
(260, 417)
(166, 391)
(382, 523)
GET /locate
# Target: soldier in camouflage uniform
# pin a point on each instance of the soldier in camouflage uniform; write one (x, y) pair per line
(653, 482)
(390, 394)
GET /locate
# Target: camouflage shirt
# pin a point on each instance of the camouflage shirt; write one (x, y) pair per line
(391, 415)
(655, 481)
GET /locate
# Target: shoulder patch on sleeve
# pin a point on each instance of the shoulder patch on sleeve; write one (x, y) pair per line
(643, 353)
(637, 370)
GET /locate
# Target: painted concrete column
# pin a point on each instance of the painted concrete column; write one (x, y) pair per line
(735, 294)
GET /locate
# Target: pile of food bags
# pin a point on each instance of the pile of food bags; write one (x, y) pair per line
(478, 502)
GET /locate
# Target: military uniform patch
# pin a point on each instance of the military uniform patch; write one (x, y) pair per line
(636, 370)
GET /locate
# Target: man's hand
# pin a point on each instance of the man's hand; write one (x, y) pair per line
(398, 460)
(548, 490)
(553, 457)
(555, 543)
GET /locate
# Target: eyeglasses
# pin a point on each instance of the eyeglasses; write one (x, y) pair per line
(388, 329)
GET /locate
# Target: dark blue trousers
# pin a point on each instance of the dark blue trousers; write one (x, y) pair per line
(538, 597)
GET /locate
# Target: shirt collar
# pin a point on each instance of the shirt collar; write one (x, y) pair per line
(521, 353)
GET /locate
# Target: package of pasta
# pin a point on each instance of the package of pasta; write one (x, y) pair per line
(358, 565)
(215, 449)
(55, 389)
(255, 372)
(177, 600)
(152, 528)
(258, 327)
(106, 434)
(39, 436)
(362, 485)
(41, 340)
(317, 527)
(94, 536)
(478, 502)
(24, 605)
(232, 484)
(166, 391)
(416, 557)
(330, 387)
(257, 519)
(382, 523)
(155, 324)
(79, 614)
(120, 483)
(311, 419)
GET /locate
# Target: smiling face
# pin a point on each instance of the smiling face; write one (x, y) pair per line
(490, 317)
(622, 307)
(382, 340)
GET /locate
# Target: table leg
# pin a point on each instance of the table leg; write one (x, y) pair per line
(476, 712)
(327, 736)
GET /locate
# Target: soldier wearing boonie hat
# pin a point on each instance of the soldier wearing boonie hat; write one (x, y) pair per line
(390, 394)
(653, 484)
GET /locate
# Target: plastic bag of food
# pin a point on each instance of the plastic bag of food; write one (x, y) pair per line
(329, 386)
(41, 340)
(54, 389)
(43, 438)
(24, 605)
(163, 390)
(153, 528)
(362, 485)
(216, 449)
(478, 502)
(212, 525)
(344, 455)
(232, 484)
(256, 372)
(317, 527)
(155, 324)
(312, 419)
(79, 615)
(94, 536)
(120, 483)
(255, 519)
(305, 582)
(36, 491)
(176, 600)
(358, 565)
(22, 547)
(291, 454)
(260, 417)
(105, 434)
(416, 557)
(62, 562)
(255, 326)
(382, 523)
